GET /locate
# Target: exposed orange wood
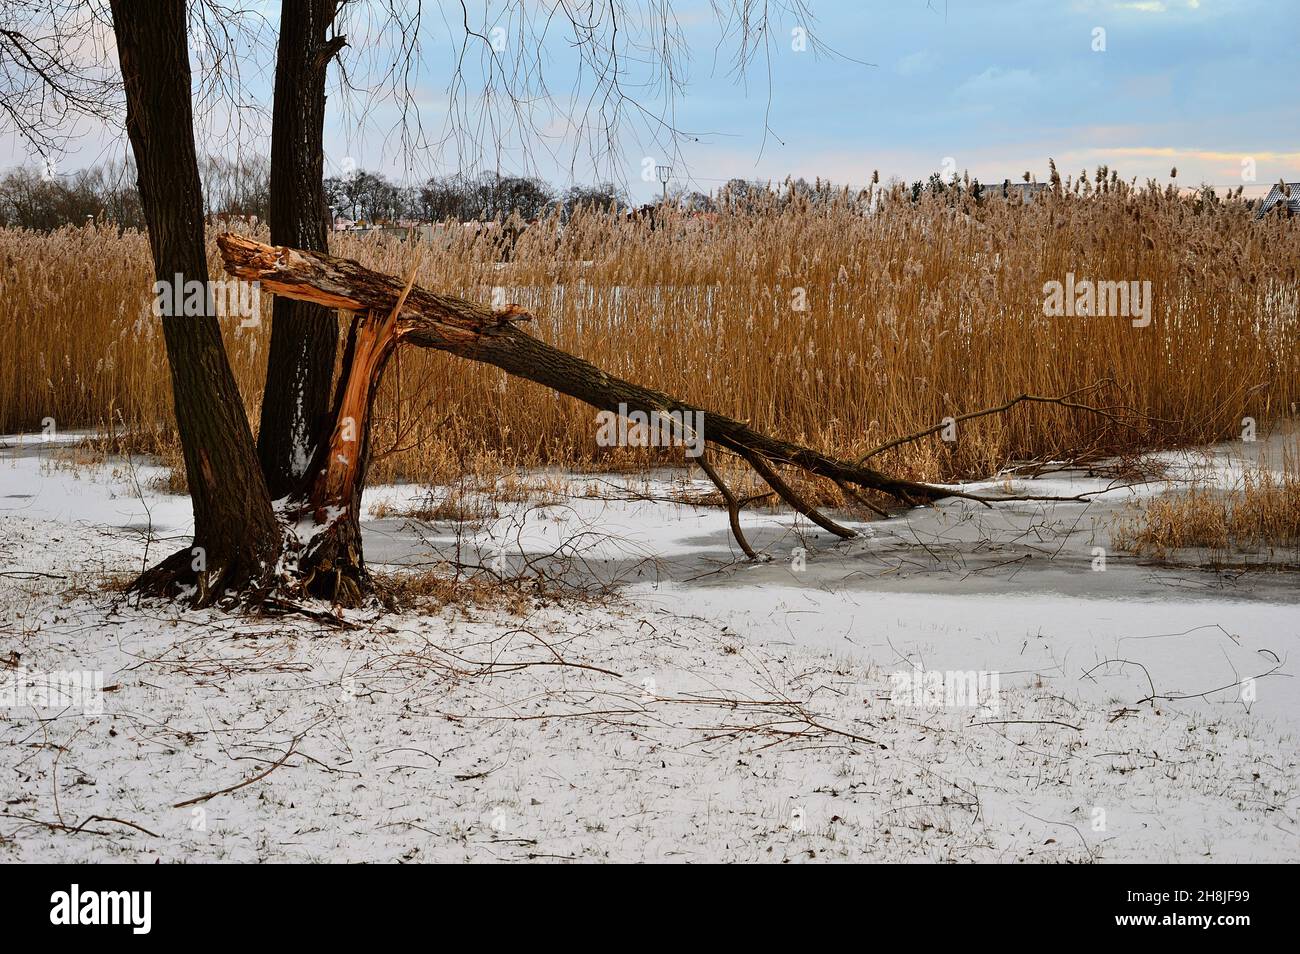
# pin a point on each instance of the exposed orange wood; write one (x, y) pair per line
(376, 338)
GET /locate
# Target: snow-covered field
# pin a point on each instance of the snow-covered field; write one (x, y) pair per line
(710, 710)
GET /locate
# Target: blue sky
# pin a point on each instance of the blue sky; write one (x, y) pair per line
(993, 86)
(998, 86)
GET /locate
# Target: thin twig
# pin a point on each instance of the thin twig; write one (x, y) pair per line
(248, 781)
(1063, 400)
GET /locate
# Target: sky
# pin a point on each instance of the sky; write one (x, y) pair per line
(905, 87)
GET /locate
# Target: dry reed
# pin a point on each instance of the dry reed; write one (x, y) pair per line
(1256, 519)
(911, 314)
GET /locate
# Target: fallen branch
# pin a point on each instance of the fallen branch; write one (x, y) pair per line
(733, 506)
(248, 781)
(1064, 725)
(1063, 400)
(426, 319)
(79, 829)
(788, 494)
(115, 821)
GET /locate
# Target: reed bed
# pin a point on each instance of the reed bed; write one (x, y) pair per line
(1257, 520)
(814, 320)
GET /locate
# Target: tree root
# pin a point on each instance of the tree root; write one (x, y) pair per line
(177, 577)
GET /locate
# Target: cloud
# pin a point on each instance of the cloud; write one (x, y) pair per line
(996, 82)
(922, 61)
(1154, 6)
(1144, 6)
(1208, 155)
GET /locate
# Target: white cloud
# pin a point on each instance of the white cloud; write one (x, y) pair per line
(1144, 6)
(922, 61)
(998, 82)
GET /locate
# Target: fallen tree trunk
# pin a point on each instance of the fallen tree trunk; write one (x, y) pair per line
(473, 331)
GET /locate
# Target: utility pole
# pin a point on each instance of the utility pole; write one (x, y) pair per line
(665, 173)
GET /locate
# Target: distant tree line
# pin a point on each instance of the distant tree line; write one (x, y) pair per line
(45, 199)
(42, 199)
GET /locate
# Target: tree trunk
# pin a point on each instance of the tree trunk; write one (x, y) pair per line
(331, 563)
(296, 415)
(236, 535)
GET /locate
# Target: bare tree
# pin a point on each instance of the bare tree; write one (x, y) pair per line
(52, 73)
(236, 533)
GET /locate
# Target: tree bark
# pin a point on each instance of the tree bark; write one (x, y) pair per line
(296, 415)
(236, 535)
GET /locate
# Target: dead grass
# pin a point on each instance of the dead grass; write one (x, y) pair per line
(469, 588)
(912, 315)
(474, 497)
(429, 590)
(1260, 516)
(454, 506)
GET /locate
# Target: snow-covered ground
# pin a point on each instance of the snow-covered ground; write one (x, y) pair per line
(710, 710)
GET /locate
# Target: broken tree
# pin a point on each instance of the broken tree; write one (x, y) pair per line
(388, 313)
(284, 512)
